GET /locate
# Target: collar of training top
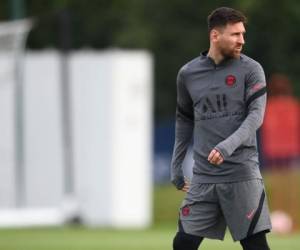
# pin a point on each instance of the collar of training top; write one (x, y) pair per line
(209, 61)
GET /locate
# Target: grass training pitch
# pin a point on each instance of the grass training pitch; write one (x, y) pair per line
(78, 238)
(159, 237)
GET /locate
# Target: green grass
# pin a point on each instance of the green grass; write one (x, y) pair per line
(159, 237)
(156, 238)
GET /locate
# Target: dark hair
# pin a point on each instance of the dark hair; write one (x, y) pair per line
(220, 17)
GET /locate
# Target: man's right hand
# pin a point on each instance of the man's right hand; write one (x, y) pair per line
(186, 186)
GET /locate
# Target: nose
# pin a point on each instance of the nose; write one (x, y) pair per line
(241, 39)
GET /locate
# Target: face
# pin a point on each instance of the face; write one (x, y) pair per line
(229, 40)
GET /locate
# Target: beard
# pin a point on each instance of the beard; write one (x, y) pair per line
(228, 53)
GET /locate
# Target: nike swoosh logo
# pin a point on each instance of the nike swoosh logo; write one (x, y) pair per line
(250, 214)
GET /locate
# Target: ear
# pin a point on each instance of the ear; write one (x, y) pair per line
(214, 35)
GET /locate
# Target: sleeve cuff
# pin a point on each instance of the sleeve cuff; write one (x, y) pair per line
(223, 152)
(178, 182)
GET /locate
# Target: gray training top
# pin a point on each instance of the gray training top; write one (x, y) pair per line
(222, 105)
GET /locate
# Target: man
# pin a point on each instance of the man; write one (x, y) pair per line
(221, 98)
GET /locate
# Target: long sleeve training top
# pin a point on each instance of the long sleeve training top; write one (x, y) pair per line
(219, 106)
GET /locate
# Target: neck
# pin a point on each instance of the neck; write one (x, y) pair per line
(215, 55)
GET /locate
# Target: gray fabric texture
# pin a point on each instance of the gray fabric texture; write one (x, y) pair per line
(208, 208)
(219, 106)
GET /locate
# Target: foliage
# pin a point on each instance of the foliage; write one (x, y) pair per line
(174, 31)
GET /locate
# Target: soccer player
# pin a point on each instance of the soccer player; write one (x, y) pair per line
(221, 98)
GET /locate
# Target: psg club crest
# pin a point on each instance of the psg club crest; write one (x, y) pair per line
(230, 80)
(185, 211)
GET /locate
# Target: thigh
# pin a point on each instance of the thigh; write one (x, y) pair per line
(200, 213)
(245, 208)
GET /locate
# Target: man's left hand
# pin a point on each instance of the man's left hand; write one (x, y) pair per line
(215, 157)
